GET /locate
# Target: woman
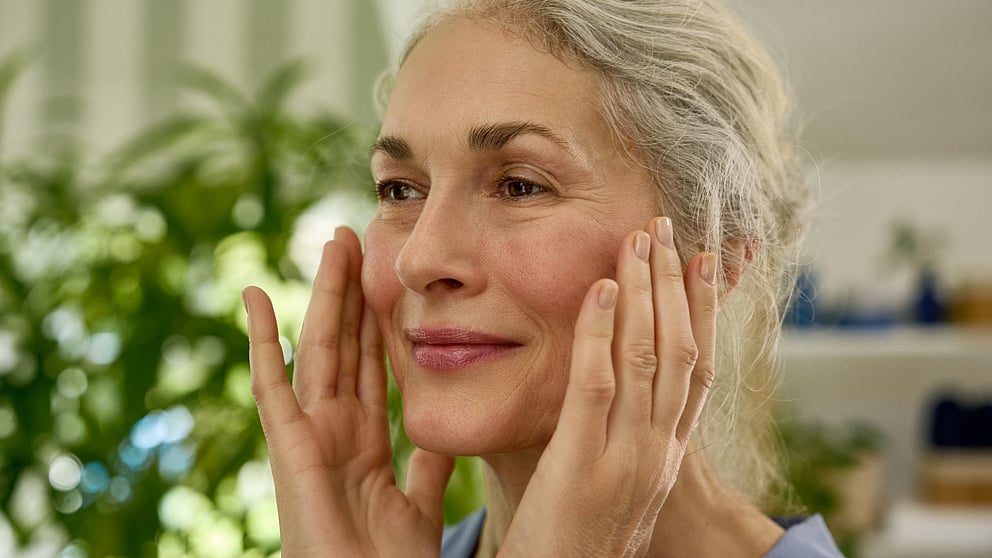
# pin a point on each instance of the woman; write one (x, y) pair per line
(541, 167)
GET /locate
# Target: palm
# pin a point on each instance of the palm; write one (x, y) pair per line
(328, 434)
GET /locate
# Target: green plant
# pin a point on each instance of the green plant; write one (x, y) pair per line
(813, 456)
(127, 427)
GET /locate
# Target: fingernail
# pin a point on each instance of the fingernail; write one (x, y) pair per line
(244, 299)
(708, 268)
(642, 245)
(608, 296)
(663, 231)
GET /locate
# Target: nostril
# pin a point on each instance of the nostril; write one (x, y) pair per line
(450, 283)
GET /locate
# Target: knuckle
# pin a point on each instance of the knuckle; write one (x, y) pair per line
(640, 358)
(331, 344)
(704, 374)
(600, 386)
(683, 436)
(687, 352)
(259, 392)
(598, 331)
(710, 305)
(673, 274)
(260, 388)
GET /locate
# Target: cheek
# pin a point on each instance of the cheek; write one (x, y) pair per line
(556, 273)
(380, 285)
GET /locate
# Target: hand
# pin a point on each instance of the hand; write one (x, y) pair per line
(642, 363)
(328, 434)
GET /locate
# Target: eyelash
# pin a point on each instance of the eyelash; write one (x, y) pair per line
(386, 189)
(506, 180)
(382, 190)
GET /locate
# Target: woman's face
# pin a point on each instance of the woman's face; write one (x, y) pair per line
(503, 198)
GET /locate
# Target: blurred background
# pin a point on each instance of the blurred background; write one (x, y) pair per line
(157, 156)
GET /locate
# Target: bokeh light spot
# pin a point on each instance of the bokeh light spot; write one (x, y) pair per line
(8, 421)
(70, 428)
(133, 458)
(64, 472)
(72, 382)
(217, 536)
(254, 482)
(237, 386)
(178, 423)
(124, 247)
(175, 461)
(116, 210)
(8, 352)
(103, 348)
(182, 507)
(73, 550)
(67, 503)
(94, 479)
(262, 522)
(119, 490)
(248, 211)
(209, 350)
(287, 349)
(149, 225)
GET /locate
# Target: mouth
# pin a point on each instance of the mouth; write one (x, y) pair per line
(448, 349)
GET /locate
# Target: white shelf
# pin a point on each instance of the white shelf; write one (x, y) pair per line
(888, 378)
(895, 341)
(915, 530)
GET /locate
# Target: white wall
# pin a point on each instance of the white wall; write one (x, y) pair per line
(861, 199)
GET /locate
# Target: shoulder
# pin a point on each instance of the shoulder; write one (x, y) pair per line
(461, 539)
(808, 538)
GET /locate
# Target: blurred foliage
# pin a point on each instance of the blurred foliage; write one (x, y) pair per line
(813, 455)
(127, 427)
(914, 246)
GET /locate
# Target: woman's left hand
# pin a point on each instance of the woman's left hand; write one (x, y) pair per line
(642, 363)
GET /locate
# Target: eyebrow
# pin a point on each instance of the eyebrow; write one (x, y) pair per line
(491, 137)
(392, 146)
(486, 137)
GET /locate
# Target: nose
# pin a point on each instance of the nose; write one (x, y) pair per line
(442, 253)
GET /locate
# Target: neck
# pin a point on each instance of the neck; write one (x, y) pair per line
(506, 477)
(702, 517)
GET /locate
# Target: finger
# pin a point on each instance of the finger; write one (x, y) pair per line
(676, 346)
(703, 309)
(427, 477)
(350, 346)
(634, 354)
(371, 369)
(582, 425)
(317, 359)
(274, 396)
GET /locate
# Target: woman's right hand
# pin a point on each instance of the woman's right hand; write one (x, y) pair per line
(328, 434)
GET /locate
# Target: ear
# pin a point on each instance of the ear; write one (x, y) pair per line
(737, 255)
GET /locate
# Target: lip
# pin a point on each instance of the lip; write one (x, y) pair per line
(448, 349)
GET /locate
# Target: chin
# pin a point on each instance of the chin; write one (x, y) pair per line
(447, 434)
(470, 431)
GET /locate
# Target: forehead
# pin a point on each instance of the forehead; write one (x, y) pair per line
(465, 72)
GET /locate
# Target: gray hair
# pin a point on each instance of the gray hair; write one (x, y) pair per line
(692, 97)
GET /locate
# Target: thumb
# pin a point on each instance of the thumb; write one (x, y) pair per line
(427, 477)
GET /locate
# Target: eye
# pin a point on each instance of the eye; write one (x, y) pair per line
(393, 191)
(518, 188)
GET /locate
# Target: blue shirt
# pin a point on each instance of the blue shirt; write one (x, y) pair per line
(808, 538)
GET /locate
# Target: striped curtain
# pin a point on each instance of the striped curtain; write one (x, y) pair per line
(100, 70)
